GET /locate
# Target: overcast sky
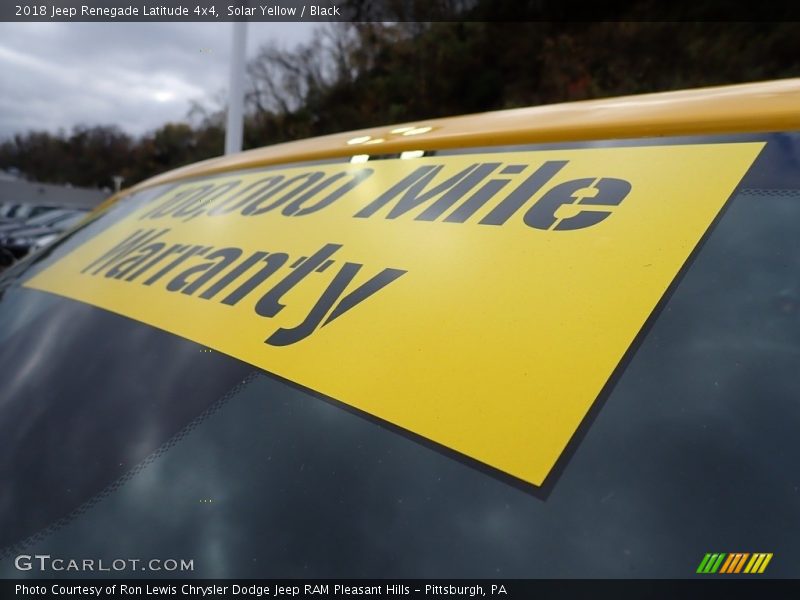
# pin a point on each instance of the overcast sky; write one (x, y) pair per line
(133, 75)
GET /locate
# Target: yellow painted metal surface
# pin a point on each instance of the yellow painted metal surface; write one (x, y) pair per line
(479, 301)
(753, 107)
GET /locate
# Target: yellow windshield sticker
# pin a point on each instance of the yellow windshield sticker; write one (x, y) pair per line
(480, 301)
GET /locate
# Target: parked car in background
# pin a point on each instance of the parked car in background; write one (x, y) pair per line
(49, 218)
(11, 212)
(36, 233)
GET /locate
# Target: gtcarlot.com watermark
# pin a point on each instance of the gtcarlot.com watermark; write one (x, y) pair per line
(46, 563)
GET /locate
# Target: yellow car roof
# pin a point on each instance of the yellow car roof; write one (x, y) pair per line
(752, 107)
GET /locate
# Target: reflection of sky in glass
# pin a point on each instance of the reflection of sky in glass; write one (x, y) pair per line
(693, 451)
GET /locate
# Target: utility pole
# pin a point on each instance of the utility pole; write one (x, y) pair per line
(235, 123)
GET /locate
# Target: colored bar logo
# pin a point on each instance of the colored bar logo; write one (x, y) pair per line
(735, 562)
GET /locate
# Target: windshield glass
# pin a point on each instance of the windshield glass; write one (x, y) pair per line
(113, 425)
